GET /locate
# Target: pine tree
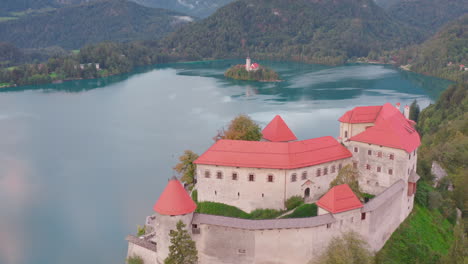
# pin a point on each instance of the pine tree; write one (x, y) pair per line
(414, 111)
(182, 249)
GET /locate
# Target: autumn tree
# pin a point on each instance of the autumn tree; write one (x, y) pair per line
(182, 248)
(186, 167)
(241, 128)
(348, 249)
(348, 175)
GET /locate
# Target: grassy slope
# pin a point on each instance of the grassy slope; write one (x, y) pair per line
(422, 238)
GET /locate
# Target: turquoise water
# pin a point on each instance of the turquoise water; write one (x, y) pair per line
(82, 163)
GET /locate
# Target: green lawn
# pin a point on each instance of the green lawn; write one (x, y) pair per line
(221, 209)
(422, 238)
(4, 84)
(305, 210)
(3, 19)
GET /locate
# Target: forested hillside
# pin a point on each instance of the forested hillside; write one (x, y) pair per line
(74, 26)
(428, 15)
(326, 32)
(442, 54)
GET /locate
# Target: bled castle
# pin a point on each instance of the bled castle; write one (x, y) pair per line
(379, 141)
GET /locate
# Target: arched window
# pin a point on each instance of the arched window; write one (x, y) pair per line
(293, 177)
(270, 178)
(304, 175)
(207, 174)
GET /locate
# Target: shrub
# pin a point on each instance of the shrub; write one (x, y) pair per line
(135, 260)
(434, 200)
(141, 231)
(195, 196)
(422, 193)
(293, 202)
(221, 209)
(305, 210)
(265, 213)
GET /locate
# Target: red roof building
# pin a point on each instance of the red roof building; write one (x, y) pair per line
(278, 131)
(274, 155)
(391, 128)
(174, 200)
(339, 199)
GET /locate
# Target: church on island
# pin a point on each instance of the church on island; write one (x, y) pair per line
(379, 141)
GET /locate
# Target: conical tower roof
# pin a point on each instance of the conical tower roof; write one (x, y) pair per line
(339, 199)
(278, 131)
(174, 200)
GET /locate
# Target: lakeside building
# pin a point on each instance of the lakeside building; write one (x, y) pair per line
(379, 141)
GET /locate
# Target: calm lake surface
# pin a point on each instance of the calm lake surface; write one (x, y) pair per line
(82, 163)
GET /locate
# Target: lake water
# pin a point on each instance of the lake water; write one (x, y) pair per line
(82, 163)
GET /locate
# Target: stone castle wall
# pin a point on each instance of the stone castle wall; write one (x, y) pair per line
(260, 193)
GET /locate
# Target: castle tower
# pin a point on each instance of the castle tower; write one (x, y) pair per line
(173, 205)
(278, 131)
(248, 64)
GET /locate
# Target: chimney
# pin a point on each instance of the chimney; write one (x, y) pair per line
(398, 106)
(406, 112)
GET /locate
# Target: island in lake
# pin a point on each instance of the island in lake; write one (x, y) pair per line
(251, 72)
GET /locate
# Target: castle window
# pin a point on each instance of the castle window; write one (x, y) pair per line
(346, 134)
(369, 152)
(328, 225)
(340, 166)
(207, 174)
(409, 156)
(379, 154)
(363, 216)
(270, 178)
(234, 176)
(390, 171)
(263, 195)
(251, 177)
(293, 177)
(379, 169)
(355, 164)
(352, 220)
(304, 175)
(319, 172)
(238, 194)
(368, 167)
(216, 193)
(355, 149)
(219, 175)
(241, 251)
(392, 156)
(333, 169)
(325, 171)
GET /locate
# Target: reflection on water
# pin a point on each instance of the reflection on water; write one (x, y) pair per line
(80, 167)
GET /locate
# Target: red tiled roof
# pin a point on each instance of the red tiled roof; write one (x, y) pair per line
(391, 129)
(362, 114)
(174, 200)
(339, 199)
(278, 131)
(274, 155)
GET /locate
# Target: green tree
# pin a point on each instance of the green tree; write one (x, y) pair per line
(135, 260)
(241, 128)
(186, 167)
(348, 175)
(348, 249)
(414, 111)
(182, 248)
(458, 253)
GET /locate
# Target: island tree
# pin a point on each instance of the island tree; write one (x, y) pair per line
(241, 128)
(182, 248)
(186, 167)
